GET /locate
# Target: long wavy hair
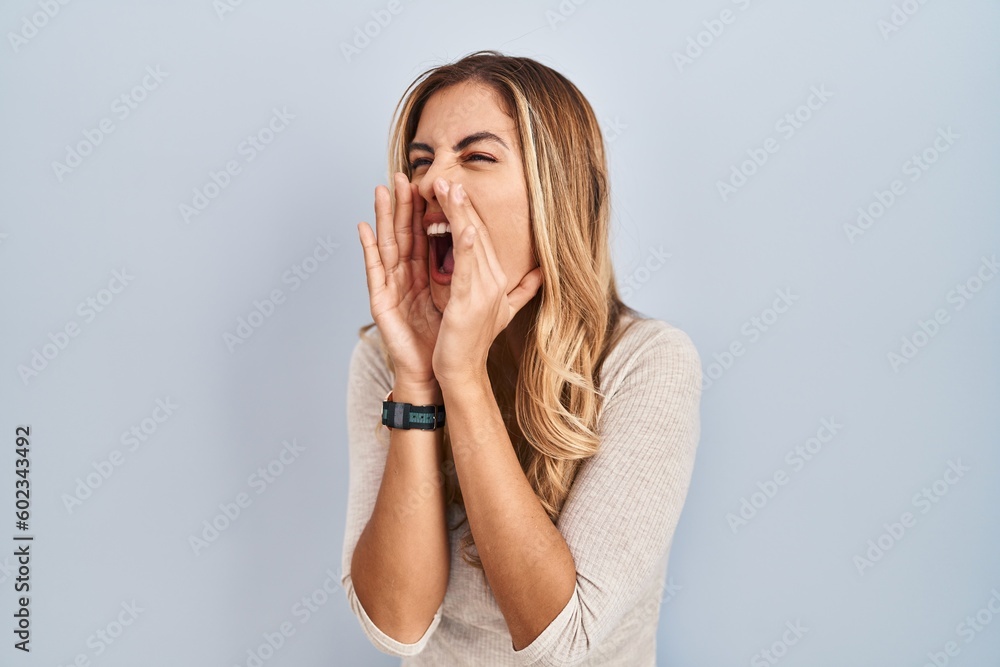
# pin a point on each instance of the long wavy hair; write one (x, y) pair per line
(551, 401)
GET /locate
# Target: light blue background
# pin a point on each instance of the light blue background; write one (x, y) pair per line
(673, 134)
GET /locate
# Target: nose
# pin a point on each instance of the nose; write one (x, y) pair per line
(437, 169)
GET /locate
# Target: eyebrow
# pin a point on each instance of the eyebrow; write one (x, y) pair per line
(461, 145)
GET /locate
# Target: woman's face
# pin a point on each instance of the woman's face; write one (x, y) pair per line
(446, 146)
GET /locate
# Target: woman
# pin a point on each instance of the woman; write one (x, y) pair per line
(571, 421)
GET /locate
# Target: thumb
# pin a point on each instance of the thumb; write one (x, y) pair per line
(525, 290)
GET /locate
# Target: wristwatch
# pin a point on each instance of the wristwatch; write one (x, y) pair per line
(409, 416)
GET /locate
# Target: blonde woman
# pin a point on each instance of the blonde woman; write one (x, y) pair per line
(504, 386)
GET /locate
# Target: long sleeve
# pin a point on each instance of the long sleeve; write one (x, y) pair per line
(625, 503)
(368, 382)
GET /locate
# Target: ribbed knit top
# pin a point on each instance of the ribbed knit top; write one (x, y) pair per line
(618, 520)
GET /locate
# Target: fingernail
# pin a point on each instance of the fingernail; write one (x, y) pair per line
(443, 185)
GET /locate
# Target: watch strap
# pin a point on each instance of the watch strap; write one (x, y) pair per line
(409, 416)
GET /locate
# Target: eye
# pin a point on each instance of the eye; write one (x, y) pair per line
(478, 157)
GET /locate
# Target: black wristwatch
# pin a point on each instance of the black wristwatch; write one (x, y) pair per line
(409, 416)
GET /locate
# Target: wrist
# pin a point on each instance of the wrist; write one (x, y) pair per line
(417, 392)
(467, 385)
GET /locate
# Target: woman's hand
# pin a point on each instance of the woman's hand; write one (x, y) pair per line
(479, 307)
(398, 282)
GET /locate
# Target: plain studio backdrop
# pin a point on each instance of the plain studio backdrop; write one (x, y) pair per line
(809, 190)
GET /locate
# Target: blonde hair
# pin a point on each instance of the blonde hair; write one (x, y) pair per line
(552, 404)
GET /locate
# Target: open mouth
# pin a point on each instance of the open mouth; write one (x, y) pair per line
(442, 252)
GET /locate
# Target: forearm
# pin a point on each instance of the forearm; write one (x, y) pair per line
(401, 563)
(528, 564)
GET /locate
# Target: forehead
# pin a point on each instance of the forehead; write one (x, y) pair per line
(461, 109)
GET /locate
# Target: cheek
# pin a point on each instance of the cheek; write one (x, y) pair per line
(504, 212)
(513, 249)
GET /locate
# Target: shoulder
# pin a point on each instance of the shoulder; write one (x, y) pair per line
(651, 346)
(647, 331)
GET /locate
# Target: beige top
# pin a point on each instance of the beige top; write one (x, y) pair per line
(618, 519)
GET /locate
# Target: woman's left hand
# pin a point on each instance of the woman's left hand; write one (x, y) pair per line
(479, 307)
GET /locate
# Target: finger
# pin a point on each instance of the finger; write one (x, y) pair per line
(444, 192)
(383, 227)
(466, 211)
(466, 264)
(463, 217)
(403, 215)
(463, 237)
(374, 271)
(419, 234)
(525, 290)
(449, 196)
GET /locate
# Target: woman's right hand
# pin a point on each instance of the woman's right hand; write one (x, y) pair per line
(398, 281)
